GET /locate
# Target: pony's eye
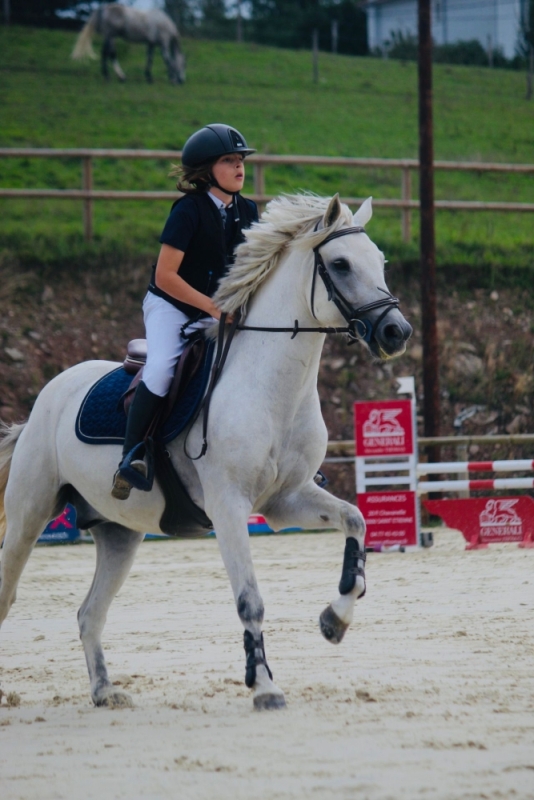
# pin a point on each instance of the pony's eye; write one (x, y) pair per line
(341, 265)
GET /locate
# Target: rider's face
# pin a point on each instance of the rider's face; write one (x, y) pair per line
(229, 172)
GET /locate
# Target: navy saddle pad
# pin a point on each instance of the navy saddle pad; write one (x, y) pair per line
(101, 418)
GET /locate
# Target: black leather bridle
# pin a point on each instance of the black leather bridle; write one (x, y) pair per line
(359, 327)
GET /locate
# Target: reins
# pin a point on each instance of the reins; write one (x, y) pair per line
(353, 316)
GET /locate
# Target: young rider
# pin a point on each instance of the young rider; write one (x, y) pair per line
(197, 246)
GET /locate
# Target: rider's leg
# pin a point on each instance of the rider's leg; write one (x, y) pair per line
(142, 410)
(165, 343)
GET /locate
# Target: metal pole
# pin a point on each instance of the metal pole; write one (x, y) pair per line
(7, 12)
(462, 454)
(315, 55)
(87, 184)
(335, 35)
(490, 51)
(239, 30)
(431, 406)
(259, 183)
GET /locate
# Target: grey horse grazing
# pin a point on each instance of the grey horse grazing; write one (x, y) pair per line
(153, 27)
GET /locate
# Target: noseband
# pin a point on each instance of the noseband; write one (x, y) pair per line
(359, 325)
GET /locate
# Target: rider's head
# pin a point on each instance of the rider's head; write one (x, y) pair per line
(212, 145)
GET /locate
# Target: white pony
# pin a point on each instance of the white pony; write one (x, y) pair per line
(153, 27)
(266, 435)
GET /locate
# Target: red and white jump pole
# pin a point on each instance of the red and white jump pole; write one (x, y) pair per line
(518, 465)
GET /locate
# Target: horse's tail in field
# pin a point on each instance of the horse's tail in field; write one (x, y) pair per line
(84, 46)
(9, 435)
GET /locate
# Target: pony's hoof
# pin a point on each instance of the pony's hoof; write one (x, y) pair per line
(114, 699)
(332, 628)
(269, 702)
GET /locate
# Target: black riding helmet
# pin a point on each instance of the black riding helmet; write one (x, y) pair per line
(212, 142)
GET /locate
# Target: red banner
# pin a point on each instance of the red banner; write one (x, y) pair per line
(384, 428)
(390, 518)
(484, 520)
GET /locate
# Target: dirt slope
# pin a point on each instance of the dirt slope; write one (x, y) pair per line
(53, 318)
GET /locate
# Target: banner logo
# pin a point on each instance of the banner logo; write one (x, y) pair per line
(499, 517)
(383, 429)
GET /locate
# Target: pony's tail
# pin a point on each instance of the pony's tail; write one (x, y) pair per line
(9, 435)
(84, 46)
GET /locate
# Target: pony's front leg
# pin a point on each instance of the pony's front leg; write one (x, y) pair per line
(104, 58)
(109, 51)
(233, 539)
(312, 508)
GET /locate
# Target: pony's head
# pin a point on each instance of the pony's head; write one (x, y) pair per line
(348, 282)
(339, 271)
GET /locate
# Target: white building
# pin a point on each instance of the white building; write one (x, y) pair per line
(495, 23)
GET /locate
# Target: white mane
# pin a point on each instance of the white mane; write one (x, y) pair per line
(287, 219)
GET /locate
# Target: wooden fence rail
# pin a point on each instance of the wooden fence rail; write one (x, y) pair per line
(405, 203)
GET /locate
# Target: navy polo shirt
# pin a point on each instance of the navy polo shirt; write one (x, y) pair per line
(184, 220)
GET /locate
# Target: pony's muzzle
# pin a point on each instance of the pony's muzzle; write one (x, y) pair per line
(392, 335)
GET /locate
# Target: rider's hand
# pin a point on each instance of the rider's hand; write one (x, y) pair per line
(216, 312)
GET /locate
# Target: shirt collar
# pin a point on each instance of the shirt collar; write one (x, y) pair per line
(218, 202)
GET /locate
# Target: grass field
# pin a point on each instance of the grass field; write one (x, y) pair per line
(361, 107)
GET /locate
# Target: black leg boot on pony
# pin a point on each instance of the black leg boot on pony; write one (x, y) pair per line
(133, 468)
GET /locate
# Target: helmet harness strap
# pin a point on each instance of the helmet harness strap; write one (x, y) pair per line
(215, 182)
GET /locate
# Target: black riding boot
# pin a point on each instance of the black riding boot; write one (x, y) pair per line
(142, 411)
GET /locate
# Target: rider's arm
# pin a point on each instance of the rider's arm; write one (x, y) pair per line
(169, 280)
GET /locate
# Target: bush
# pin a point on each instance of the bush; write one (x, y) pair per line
(470, 53)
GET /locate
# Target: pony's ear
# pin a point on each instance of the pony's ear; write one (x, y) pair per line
(364, 213)
(332, 212)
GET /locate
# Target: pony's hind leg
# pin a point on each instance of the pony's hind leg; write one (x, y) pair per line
(167, 55)
(314, 508)
(30, 503)
(115, 551)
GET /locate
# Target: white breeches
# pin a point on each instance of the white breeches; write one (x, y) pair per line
(163, 323)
